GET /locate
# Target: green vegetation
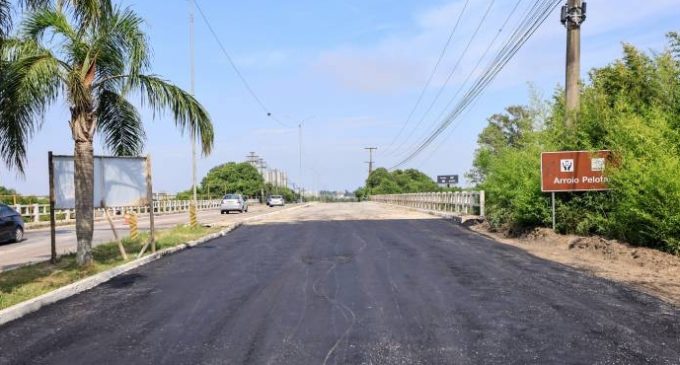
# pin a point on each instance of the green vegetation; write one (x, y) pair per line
(632, 107)
(31, 281)
(233, 177)
(9, 196)
(382, 181)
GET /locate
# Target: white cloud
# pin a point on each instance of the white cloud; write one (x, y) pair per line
(380, 71)
(401, 63)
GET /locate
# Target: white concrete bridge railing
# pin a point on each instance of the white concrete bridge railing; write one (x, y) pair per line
(462, 203)
(34, 213)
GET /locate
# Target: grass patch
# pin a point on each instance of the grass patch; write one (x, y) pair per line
(31, 281)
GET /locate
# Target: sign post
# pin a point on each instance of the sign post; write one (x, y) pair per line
(53, 221)
(149, 196)
(554, 225)
(573, 171)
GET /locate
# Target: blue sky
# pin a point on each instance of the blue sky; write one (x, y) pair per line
(357, 67)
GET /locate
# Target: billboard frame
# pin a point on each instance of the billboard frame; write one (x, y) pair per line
(102, 204)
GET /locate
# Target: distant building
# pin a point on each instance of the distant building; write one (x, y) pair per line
(275, 177)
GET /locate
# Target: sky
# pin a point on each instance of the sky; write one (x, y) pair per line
(350, 71)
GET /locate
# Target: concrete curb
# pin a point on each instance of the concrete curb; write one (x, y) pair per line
(21, 309)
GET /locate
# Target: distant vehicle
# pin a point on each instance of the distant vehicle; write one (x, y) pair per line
(233, 202)
(275, 200)
(11, 225)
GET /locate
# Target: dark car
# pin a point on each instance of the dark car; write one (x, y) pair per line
(11, 225)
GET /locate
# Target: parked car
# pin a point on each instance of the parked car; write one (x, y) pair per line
(233, 202)
(275, 200)
(11, 224)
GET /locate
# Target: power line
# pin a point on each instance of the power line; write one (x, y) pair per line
(450, 75)
(535, 17)
(233, 65)
(468, 77)
(434, 71)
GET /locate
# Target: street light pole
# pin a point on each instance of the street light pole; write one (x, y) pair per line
(300, 155)
(192, 208)
(300, 160)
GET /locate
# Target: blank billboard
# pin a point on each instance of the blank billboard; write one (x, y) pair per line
(118, 181)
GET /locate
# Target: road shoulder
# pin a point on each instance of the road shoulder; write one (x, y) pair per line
(651, 271)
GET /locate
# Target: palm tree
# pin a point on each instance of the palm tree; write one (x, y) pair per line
(92, 54)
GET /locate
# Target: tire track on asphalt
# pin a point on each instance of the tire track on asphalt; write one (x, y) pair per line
(345, 311)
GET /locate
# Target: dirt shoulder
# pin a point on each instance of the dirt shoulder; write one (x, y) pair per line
(651, 271)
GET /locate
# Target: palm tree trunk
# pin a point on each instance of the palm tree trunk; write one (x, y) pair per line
(84, 185)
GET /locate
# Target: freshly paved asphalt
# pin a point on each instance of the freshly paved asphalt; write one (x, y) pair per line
(393, 291)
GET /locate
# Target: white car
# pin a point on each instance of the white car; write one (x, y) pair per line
(275, 200)
(233, 202)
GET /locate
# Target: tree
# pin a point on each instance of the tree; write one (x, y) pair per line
(382, 181)
(233, 177)
(93, 54)
(503, 130)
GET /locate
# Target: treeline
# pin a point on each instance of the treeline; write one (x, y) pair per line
(234, 177)
(11, 196)
(382, 181)
(632, 107)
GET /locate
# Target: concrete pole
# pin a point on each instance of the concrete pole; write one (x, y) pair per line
(192, 210)
(370, 158)
(300, 159)
(573, 69)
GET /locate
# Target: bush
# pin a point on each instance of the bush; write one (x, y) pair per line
(382, 181)
(631, 107)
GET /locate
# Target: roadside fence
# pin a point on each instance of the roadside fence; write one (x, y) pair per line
(462, 202)
(34, 213)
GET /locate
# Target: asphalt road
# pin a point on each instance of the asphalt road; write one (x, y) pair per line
(36, 244)
(351, 284)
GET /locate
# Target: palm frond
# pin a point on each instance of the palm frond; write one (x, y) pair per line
(86, 12)
(121, 46)
(43, 19)
(120, 124)
(160, 95)
(33, 4)
(5, 19)
(27, 86)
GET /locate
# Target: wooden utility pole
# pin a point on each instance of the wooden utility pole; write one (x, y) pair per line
(53, 222)
(572, 16)
(149, 197)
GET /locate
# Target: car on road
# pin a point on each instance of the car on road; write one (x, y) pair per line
(233, 202)
(276, 200)
(11, 224)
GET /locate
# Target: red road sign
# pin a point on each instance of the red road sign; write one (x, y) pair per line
(574, 171)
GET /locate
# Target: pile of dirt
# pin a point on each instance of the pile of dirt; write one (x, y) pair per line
(652, 271)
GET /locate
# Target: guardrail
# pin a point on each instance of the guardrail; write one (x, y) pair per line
(463, 202)
(41, 212)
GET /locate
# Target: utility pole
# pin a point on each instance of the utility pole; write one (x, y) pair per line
(572, 16)
(252, 159)
(300, 157)
(261, 165)
(192, 208)
(370, 158)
